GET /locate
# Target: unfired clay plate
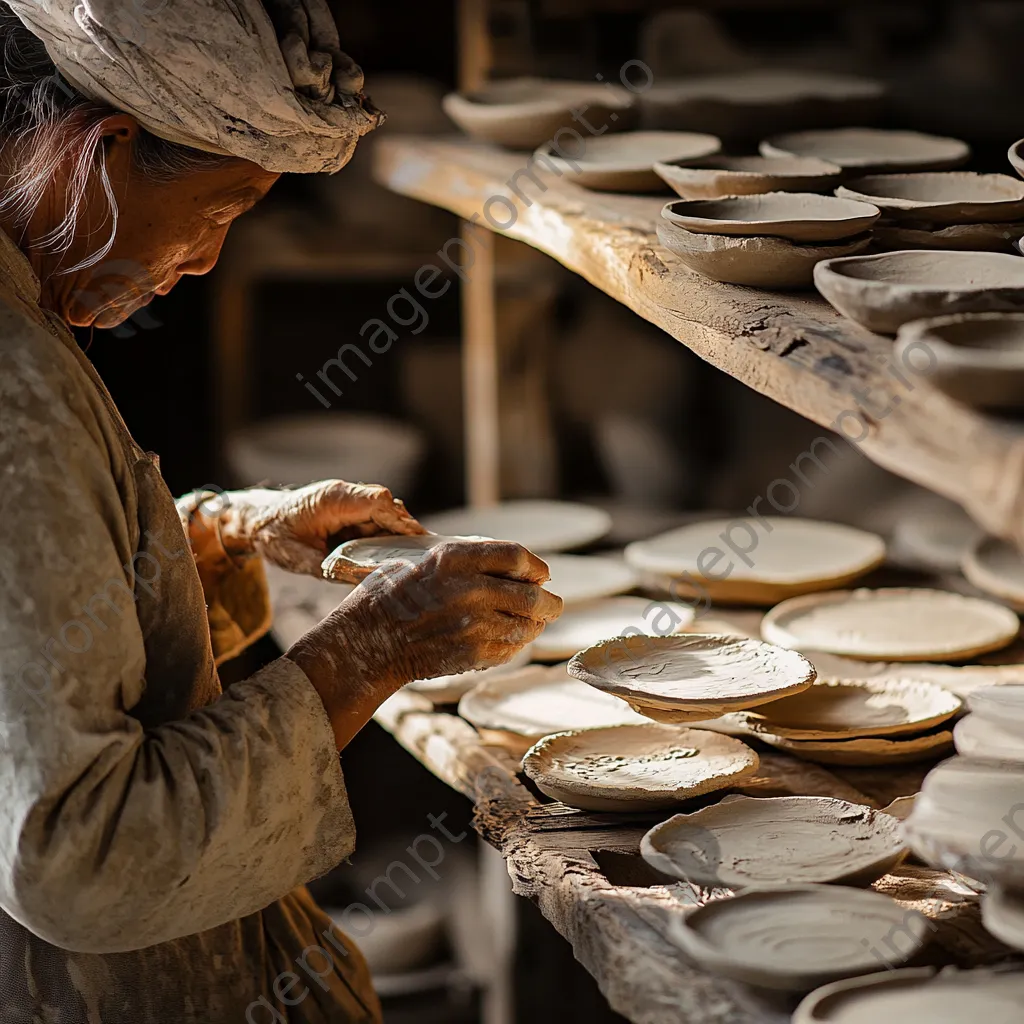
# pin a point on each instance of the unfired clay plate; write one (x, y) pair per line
(356, 559)
(797, 216)
(836, 709)
(1002, 704)
(771, 558)
(589, 623)
(537, 525)
(745, 842)
(636, 767)
(715, 177)
(898, 624)
(1016, 156)
(868, 750)
(449, 689)
(872, 149)
(995, 566)
(982, 739)
(579, 578)
(1002, 911)
(798, 938)
(918, 996)
(693, 674)
(890, 236)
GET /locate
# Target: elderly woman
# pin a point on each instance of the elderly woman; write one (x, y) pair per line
(155, 831)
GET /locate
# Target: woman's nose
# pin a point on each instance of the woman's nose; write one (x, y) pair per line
(203, 260)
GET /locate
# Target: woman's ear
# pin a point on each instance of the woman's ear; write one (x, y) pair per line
(119, 133)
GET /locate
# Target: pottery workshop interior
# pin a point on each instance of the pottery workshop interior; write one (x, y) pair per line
(512, 512)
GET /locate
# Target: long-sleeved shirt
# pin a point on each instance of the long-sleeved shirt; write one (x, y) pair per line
(153, 829)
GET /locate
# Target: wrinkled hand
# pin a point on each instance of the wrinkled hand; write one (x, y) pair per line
(297, 529)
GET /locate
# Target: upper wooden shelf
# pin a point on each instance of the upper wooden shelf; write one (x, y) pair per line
(792, 347)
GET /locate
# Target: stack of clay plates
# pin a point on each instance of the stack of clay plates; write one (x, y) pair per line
(756, 560)
(943, 210)
(860, 722)
(692, 678)
(772, 240)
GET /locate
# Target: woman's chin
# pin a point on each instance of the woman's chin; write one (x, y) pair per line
(111, 315)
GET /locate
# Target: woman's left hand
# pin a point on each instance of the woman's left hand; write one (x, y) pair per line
(297, 529)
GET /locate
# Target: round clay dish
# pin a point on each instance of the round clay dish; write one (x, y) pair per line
(625, 162)
(755, 261)
(580, 578)
(798, 938)
(589, 623)
(796, 216)
(450, 689)
(836, 709)
(983, 740)
(941, 198)
(918, 996)
(995, 566)
(897, 624)
(889, 237)
(636, 767)
(789, 557)
(715, 177)
(867, 751)
(692, 674)
(745, 842)
(1002, 912)
(884, 292)
(872, 150)
(537, 525)
(356, 559)
(1016, 155)
(1002, 704)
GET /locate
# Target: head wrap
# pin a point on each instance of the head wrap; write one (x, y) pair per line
(264, 80)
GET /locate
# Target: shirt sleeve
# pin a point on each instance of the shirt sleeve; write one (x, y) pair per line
(114, 837)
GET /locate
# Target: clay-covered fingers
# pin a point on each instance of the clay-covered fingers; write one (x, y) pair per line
(524, 600)
(491, 558)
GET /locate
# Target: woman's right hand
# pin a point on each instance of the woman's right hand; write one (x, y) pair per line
(467, 605)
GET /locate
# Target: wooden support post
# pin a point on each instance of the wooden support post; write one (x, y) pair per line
(474, 44)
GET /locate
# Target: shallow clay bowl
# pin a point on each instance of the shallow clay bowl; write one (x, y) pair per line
(799, 938)
(636, 767)
(995, 566)
(356, 559)
(976, 358)
(524, 113)
(796, 216)
(890, 236)
(917, 996)
(895, 624)
(872, 150)
(886, 291)
(625, 162)
(783, 556)
(695, 676)
(941, 199)
(756, 262)
(1016, 156)
(1002, 912)
(715, 177)
(868, 750)
(838, 709)
(581, 578)
(984, 740)
(745, 842)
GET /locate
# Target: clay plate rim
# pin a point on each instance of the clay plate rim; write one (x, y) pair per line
(835, 268)
(1016, 156)
(958, 152)
(865, 189)
(692, 146)
(930, 332)
(865, 751)
(553, 97)
(980, 572)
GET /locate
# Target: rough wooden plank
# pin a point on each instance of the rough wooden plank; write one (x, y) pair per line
(792, 347)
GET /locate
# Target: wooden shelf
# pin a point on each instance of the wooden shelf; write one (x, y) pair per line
(792, 347)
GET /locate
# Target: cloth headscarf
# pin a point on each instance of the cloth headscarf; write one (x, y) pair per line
(264, 80)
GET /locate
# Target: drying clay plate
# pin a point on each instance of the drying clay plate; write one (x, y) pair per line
(745, 842)
(918, 996)
(578, 578)
(799, 938)
(524, 113)
(790, 557)
(715, 177)
(796, 216)
(589, 623)
(625, 162)
(872, 150)
(884, 292)
(898, 624)
(450, 689)
(1002, 704)
(636, 767)
(755, 261)
(537, 525)
(941, 199)
(866, 751)
(995, 566)
(693, 674)
(836, 709)
(356, 559)
(979, 738)
(1002, 912)
(890, 236)
(1016, 155)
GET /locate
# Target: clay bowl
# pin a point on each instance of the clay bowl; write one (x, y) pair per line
(625, 162)
(586, 624)
(356, 559)
(1016, 156)
(995, 566)
(787, 556)
(581, 578)
(796, 216)
(981, 739)
(692, 677)
(884, 292)
(872, 150)
(636, 767)
(940, 199)
(524, 113)
(743, 842)
(867, 751)
(799, 938)
(757, 262)
(918, 996)
(715, 177)
(896, 624)
(890, 236)
(976, 358)
(1002, 913)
